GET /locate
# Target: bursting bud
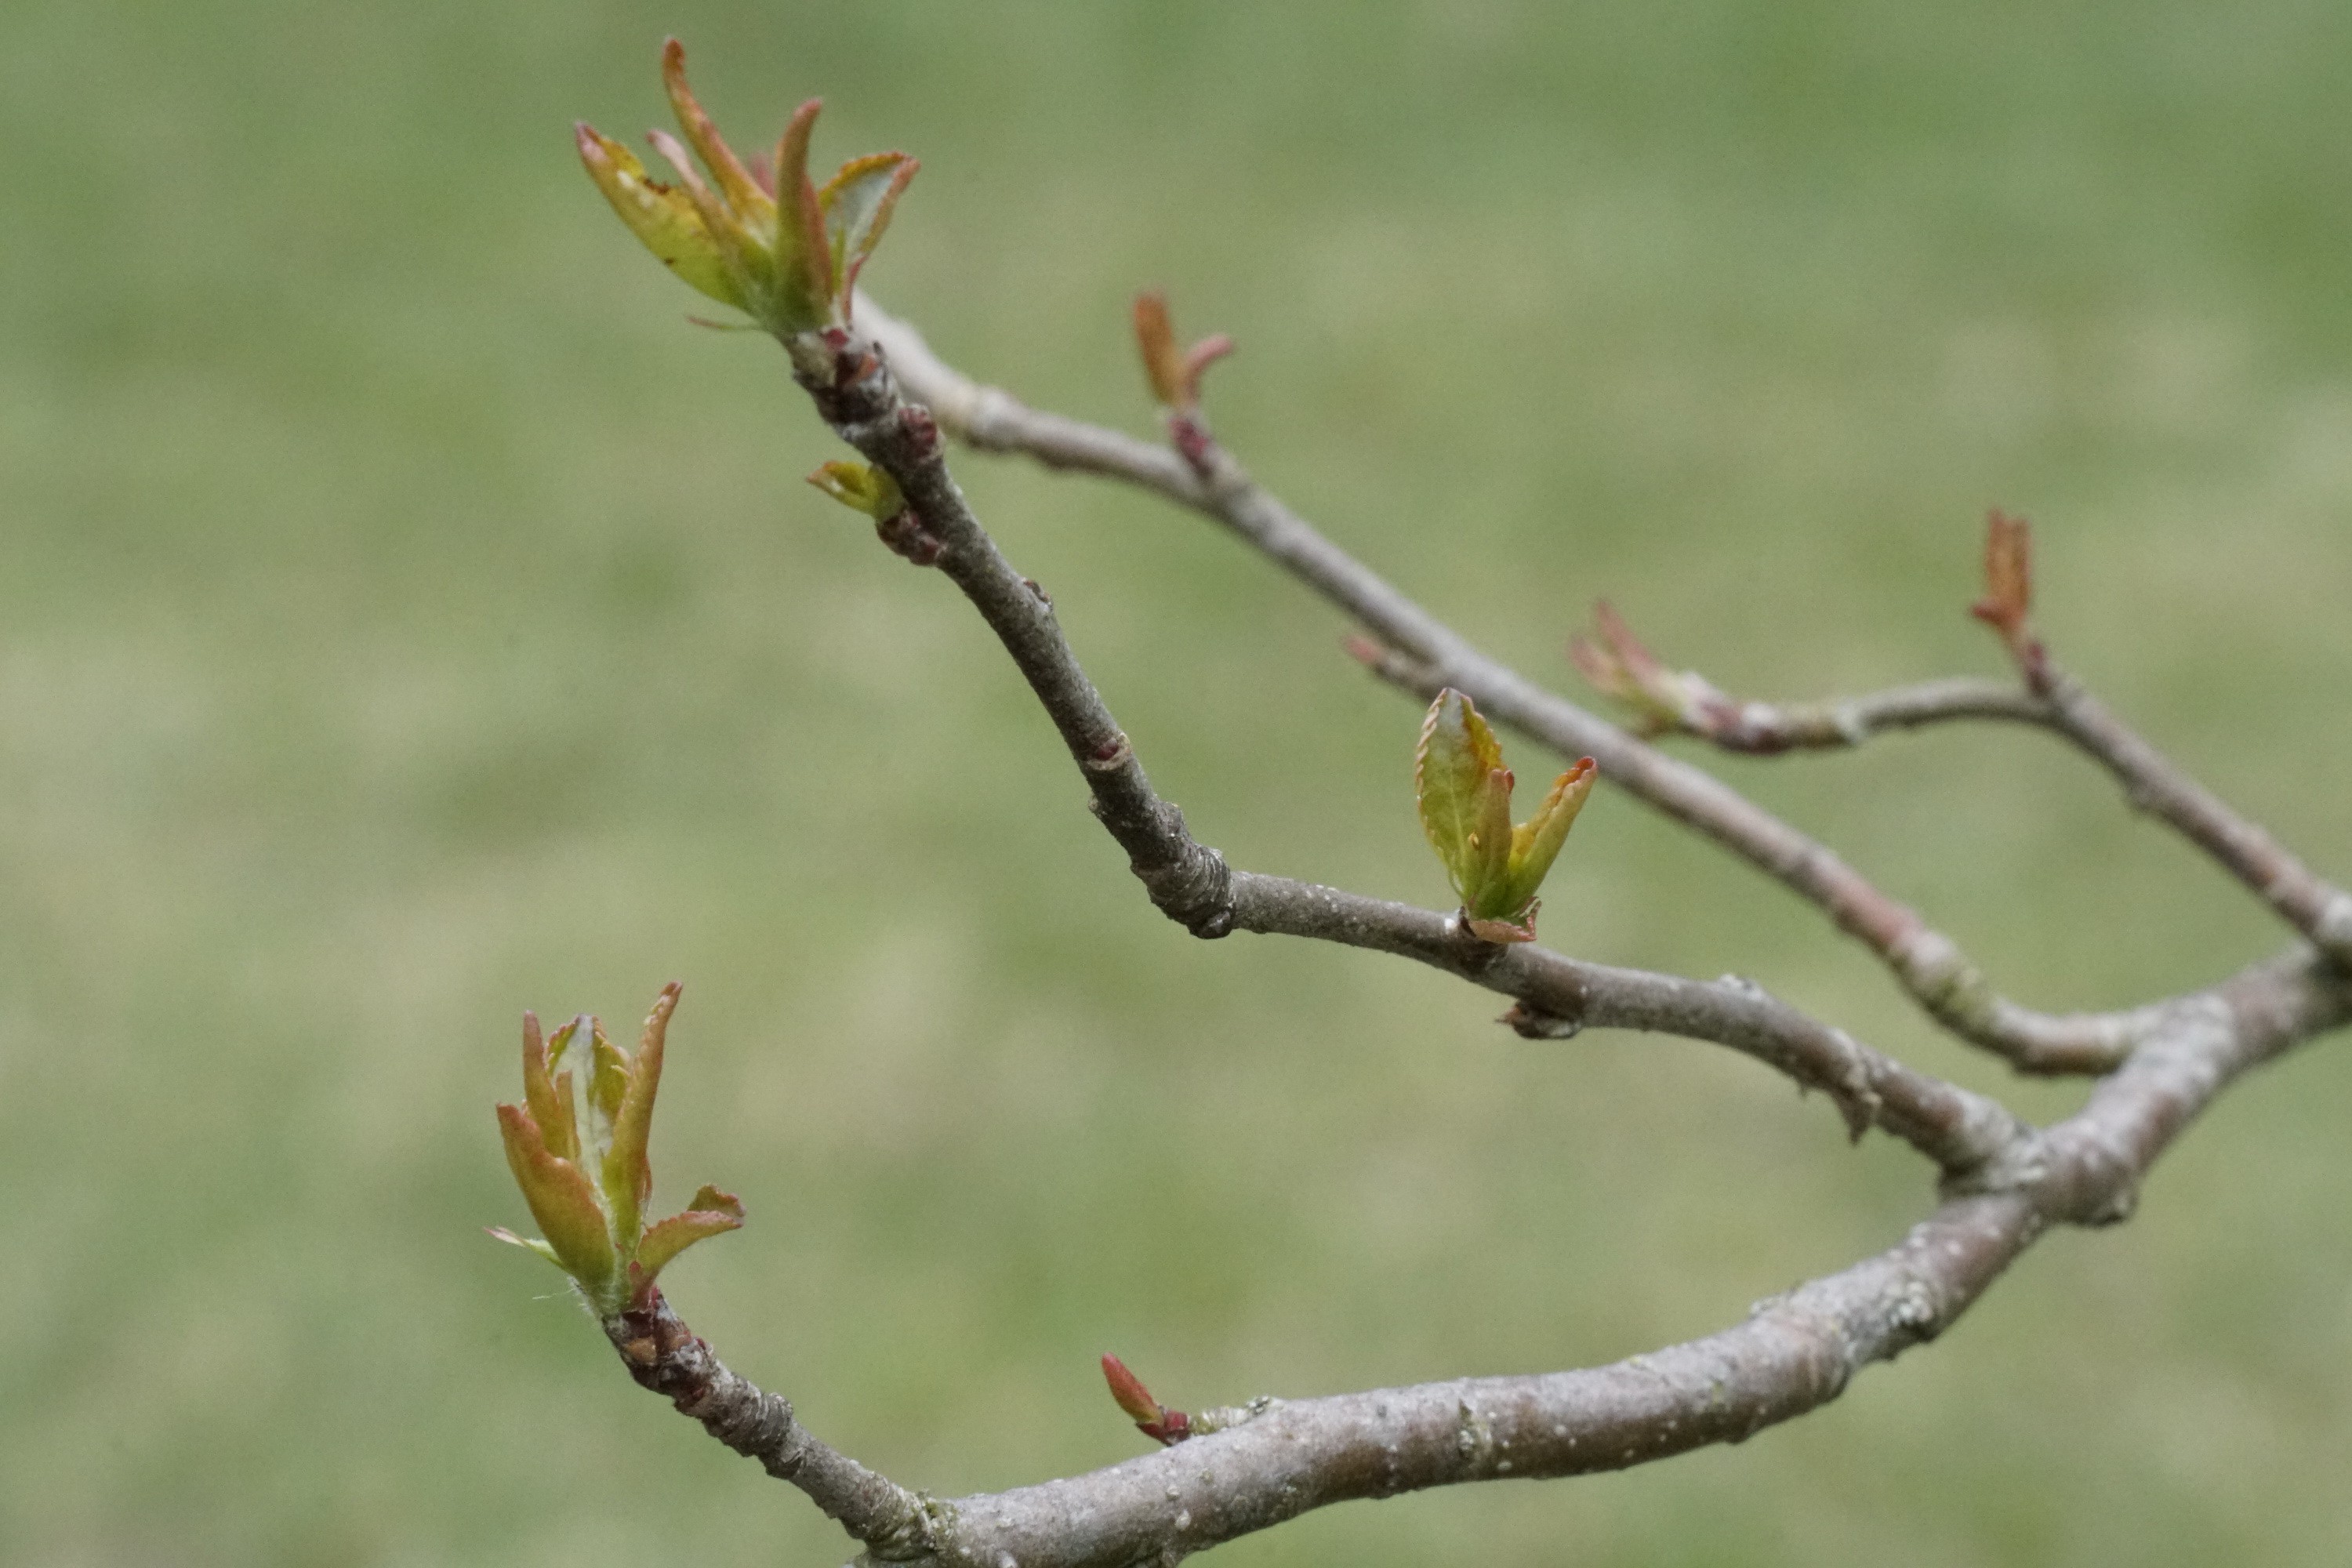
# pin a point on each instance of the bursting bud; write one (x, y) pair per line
(764, 239)
(861, 487)
(1616, 664)
(1152, 1418)
(577, 1147)
(2009, 592)
(1174, 374)
(1464, 794)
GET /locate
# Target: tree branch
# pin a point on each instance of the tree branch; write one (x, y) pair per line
(2153, 783)
(1928, 964)
(2007, 1183)
(1190, 882)
(664, 1357)
(1793, 1353)
(1617, 663)
(1684, 701)
(2004, 1182)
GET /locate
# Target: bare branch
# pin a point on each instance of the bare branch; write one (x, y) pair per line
(1668, 700)
(2152, 782)
(1961, 1132)
(1793, 1353)
(664, 1356)
(1930, 965)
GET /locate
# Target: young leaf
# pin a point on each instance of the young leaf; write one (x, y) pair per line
(1463, 790)
(672, 1235)
(549, 1099)
(2008, 575)
(564, 1205)
(803, 258)
(857, 203)
(528, 1242)
(628, 1173)
(665, 220)
(1155, 339)
(1128, 1390)
(1174, 374)
(743, 193)
(1534, 843)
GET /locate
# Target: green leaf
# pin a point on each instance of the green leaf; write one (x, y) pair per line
(803, 258)
(672, 1235)
(1535, 844)
(628, 1173)
(1457, 775)
(664, 220)
(861, 487)
(564, 1203)
(549, 1099)
(857, 203)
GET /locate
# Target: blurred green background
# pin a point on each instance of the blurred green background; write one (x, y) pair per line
(409, 620)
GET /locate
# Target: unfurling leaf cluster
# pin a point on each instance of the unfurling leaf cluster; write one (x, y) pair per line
(764, 239)
(1617, 664)
(577, 1147)
(1464, 794)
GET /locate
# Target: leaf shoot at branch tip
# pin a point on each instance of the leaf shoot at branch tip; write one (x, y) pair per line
(1464, 793)
(589, 1197)
(764, 239)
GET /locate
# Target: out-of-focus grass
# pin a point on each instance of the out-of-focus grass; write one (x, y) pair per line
(407, 620)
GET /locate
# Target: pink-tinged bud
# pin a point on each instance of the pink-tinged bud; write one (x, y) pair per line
(1174, 374)
(2009, 590)
(1152, 1418)
(1128, 1390)
(1617, 665)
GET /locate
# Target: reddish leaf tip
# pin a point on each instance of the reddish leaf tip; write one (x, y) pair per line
(1128, 1390)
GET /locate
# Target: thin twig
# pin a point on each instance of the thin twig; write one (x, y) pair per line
(1666, 700)
(1928, 964)
(1192, 883)
(2155, 785)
